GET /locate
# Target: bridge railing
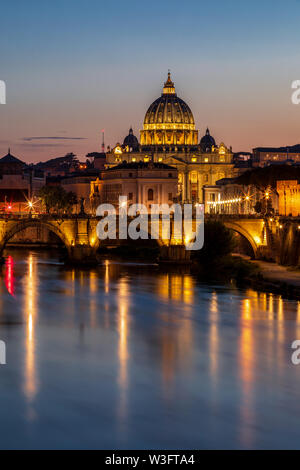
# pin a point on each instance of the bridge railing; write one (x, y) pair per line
(16, 216)
(232, 216)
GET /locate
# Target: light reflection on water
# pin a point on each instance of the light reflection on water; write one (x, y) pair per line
(129, 357)
(29, 302)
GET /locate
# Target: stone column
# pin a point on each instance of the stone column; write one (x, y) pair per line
(82, 255)
(139, 194)
(186, 185)
(200, 193)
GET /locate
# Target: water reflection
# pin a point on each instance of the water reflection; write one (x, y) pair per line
(162, 362)
(247, 366)
(93, 289)
(214, 335)
(178, 287)
(123, 328)
(30, 315)
(106, 279)
(9, 275)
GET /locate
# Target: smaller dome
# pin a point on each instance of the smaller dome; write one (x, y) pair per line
(131, 141)
(207, 142)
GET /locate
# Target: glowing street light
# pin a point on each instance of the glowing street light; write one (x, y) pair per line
(31, 204)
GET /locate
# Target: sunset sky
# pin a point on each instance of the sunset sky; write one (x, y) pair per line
(74, 67)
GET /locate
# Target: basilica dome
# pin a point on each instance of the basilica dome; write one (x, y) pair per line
(169, 111)
(131, 141)
(207, 142)
(169, 121)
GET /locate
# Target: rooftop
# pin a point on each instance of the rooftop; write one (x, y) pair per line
(141, 165)
(288, 148)
(9, 158)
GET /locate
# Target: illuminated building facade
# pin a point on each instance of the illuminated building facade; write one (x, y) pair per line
(264, 156)
(18, 184)
(288, 197)
(142, 183)
(229, 197)
(79, 183)
(169, 136)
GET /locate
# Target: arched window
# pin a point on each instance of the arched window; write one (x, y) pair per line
(150, 194)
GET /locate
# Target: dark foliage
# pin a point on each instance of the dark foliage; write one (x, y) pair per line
(218, 242)
(56, 199)
(268, 176)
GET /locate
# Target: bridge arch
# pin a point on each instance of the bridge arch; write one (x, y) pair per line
(242, 231)
(20, 225)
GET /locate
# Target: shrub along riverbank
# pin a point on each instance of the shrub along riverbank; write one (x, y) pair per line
(215, 261)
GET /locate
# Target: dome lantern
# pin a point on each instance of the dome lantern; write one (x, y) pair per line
(169, 87)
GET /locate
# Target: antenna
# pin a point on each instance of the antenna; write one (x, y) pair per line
(103, 141)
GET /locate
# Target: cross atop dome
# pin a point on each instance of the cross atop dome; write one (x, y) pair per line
(169, 87)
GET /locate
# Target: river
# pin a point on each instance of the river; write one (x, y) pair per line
(125, 356)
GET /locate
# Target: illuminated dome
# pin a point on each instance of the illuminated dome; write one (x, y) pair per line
(168, 110)
(169, 120)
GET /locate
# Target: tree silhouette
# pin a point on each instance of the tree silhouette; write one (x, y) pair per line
(56, 199)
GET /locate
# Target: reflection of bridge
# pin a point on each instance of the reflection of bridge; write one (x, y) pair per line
(269, 238)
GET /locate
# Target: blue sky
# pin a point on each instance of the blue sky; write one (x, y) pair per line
(75, 67)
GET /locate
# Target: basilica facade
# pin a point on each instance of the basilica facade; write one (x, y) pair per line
(169, 136)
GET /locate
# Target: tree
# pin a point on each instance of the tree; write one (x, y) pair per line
(218, 243)
(267, 177)
(264, 206)
(258, 207)
(56, 199)
(269, 208)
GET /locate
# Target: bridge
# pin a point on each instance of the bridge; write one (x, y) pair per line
(76, 234)
(79, 236)
(270, 238)
(253, 229)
